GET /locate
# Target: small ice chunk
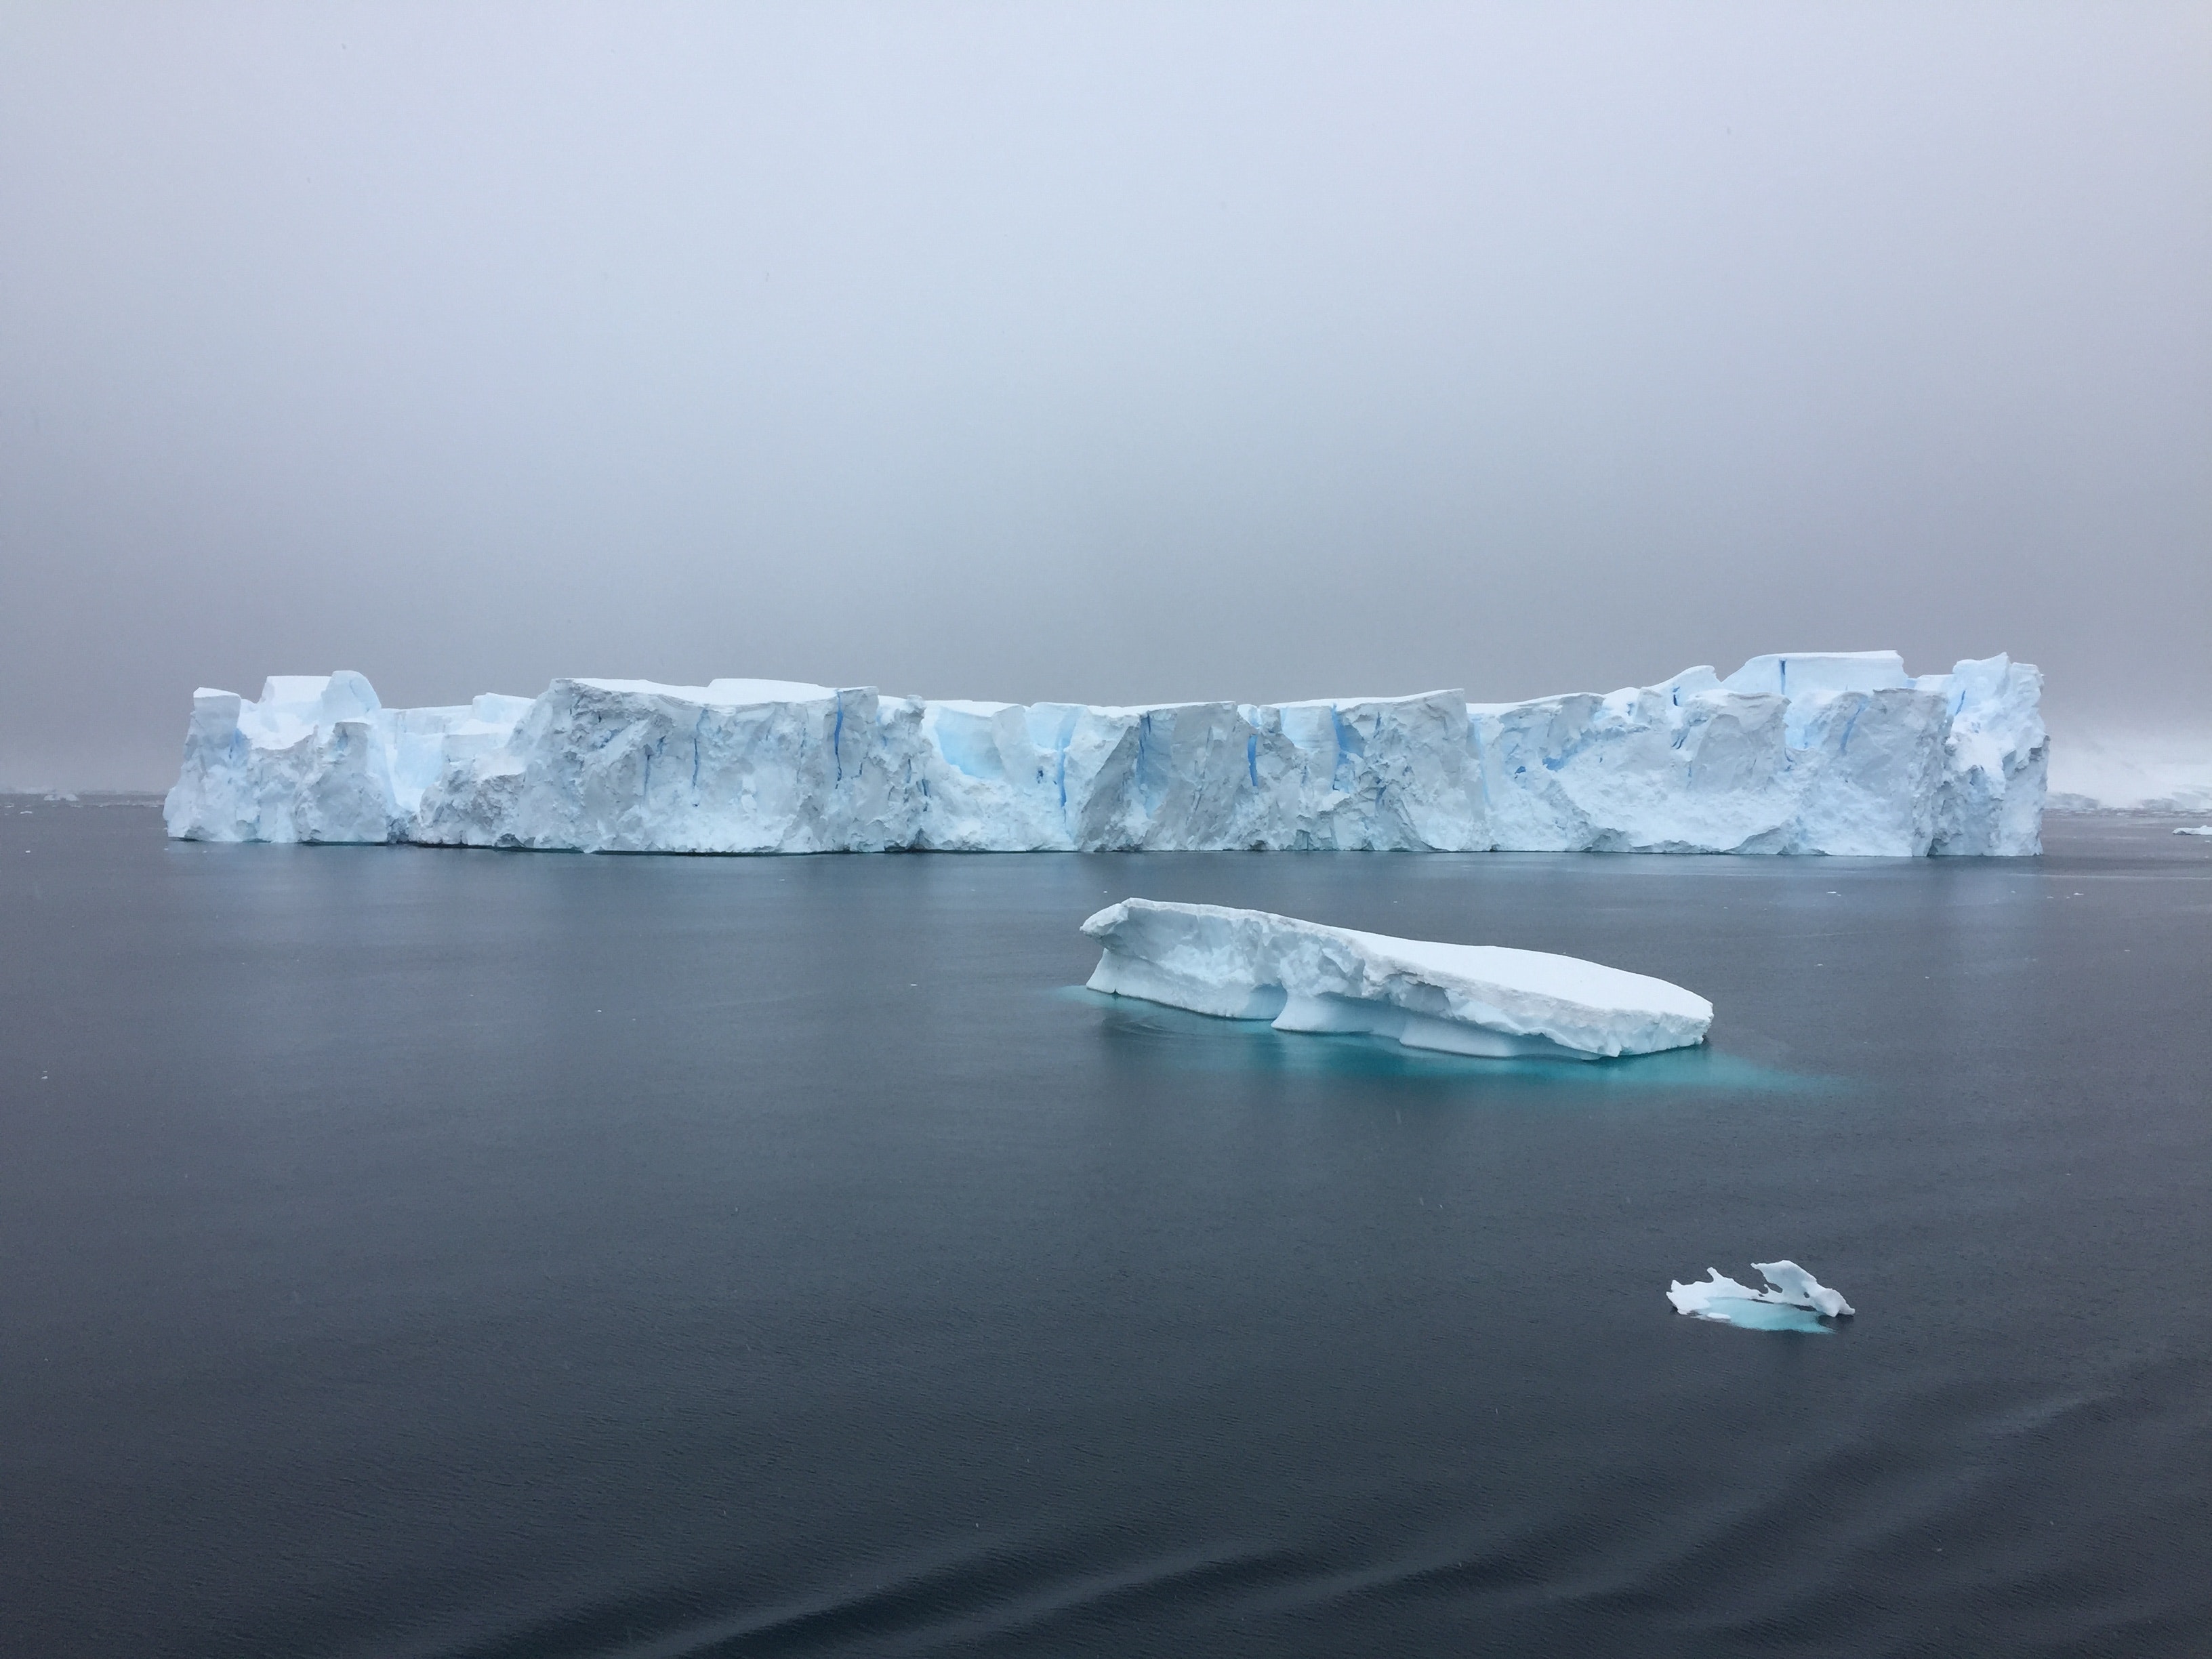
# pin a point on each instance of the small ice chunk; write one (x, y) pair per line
(1718, 1297)
(2196, 830)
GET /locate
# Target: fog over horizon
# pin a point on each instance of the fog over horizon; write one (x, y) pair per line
(1105, 354)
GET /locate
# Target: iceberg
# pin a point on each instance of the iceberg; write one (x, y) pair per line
(2196, 830)
(1480, 999)
(1808, 753)
(2166, 770)
(1794, 1301)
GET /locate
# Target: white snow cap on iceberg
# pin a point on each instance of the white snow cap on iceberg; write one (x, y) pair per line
(1483, 999)
(1717, 1297)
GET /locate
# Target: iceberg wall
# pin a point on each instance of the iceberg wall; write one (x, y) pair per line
(1810, 752)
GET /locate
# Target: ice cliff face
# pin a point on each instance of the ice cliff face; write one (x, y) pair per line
(1806, 753)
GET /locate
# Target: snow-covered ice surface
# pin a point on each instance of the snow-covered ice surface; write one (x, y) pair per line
(1795, 1301)
(1809, 752)
(2196, 830)
(1480, 999)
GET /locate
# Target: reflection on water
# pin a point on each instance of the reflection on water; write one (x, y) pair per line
(1176, 1037)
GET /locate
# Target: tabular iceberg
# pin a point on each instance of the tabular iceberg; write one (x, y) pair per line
(1834, 752)
(1482, 1000)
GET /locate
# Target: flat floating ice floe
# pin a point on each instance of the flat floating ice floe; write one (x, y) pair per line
(1479, 999)
(2196, 830)
(1794, 1301)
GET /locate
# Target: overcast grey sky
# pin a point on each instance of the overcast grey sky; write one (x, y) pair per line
(1107, 353)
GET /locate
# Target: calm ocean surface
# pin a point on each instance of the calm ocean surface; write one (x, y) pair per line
(412, 1253)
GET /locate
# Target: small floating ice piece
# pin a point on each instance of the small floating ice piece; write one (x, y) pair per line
(1795, 1295)
(2196, 830)
(1482, 1000)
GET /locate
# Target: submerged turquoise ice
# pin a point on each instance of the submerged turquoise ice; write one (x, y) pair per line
(1176, 1040)
(1771, 1316)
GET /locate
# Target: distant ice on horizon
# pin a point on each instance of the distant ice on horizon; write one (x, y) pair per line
(2131, 772)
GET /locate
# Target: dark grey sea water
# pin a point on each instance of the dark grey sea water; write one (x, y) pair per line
(410, 1253)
